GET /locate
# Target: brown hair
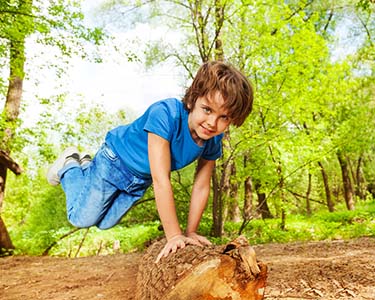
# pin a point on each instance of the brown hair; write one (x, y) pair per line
(233, 86)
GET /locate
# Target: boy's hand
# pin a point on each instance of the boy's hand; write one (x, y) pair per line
(201, 239)
(176, 242)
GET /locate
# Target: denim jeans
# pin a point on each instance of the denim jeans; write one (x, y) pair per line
(101, 193)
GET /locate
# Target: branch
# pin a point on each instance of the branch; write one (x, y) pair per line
(328, 21)
(183, 62)
(304, 197)
(81, 243)
(9, 163)
(367, 30)
(16, 12)
(299, 9)
(45, 253)
(143, 201)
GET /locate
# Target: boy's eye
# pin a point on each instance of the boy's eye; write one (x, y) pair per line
(206, 109)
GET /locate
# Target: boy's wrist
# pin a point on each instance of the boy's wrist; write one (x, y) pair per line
(174, 235)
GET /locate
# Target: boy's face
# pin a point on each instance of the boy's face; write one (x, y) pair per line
(208, 118)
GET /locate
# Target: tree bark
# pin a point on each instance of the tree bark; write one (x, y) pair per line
(219, 21)
(330, 205)
(348, 188)
(360, 189)
(9, 163)
(221, 183)
(231, 194)
(262, 208)
(308, 192)
(202, 273)
(248, 199)
(11, 112)
(247, 212)
(217, 206)
(5, 241)
(6, 162)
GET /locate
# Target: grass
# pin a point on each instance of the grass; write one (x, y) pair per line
(322, 225)
(86, 242)
(342, 224)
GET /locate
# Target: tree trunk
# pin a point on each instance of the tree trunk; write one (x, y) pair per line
(360, 190)
(202, 273)
(217, 206)
(219, 21)
(221, 184)
(218, 200)
(3, 179)
(308, 192)
(248, 199)
(262, 208)
(348, 188)
(11, 108)
(5, 241)
(231, 195)
(283, 200)
(11, 112)
(6, 162)
(247, 212)
(330, 205)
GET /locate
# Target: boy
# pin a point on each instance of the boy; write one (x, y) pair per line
(168, 136)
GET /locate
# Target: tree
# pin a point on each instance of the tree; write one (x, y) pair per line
(307, 94)
(19, 20)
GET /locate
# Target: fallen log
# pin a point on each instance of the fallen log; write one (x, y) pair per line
(229, 272)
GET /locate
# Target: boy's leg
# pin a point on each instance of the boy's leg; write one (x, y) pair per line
(123, 201)
(130, 189)
(101, 193)
(89, 191)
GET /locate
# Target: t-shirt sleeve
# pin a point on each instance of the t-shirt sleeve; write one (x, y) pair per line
(159, 121)
(213, 148)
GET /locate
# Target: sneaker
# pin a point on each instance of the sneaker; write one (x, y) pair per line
(85, 159)
(68, 155)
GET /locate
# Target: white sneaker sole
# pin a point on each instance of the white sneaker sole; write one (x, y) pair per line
(52, 176)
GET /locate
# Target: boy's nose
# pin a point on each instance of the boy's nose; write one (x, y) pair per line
(211, 122)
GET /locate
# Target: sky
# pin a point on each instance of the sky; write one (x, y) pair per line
(116, 83)
(120, 84)
(124, 85)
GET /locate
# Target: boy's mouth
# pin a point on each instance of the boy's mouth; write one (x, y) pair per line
(207, 131)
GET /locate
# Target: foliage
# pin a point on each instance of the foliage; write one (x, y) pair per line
(36, 218)
(54, 24)
(308, 102)
(45, 223)
(314, 98)
(84, 126)
(322, 225)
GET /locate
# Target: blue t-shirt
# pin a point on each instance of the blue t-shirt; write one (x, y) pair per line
(169, 119)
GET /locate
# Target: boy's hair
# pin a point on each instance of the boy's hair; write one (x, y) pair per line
(233, 86)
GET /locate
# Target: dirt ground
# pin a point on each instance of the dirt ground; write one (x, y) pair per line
(317, 270)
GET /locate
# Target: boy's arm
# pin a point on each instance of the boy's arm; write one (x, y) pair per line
(160, 165)
(199, 198)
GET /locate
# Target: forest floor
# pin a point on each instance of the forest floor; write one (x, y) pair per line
(315, 270)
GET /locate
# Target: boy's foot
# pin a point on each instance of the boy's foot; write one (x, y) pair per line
(68, 155)
(85, 159)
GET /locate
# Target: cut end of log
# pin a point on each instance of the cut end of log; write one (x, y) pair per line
(229, 272)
